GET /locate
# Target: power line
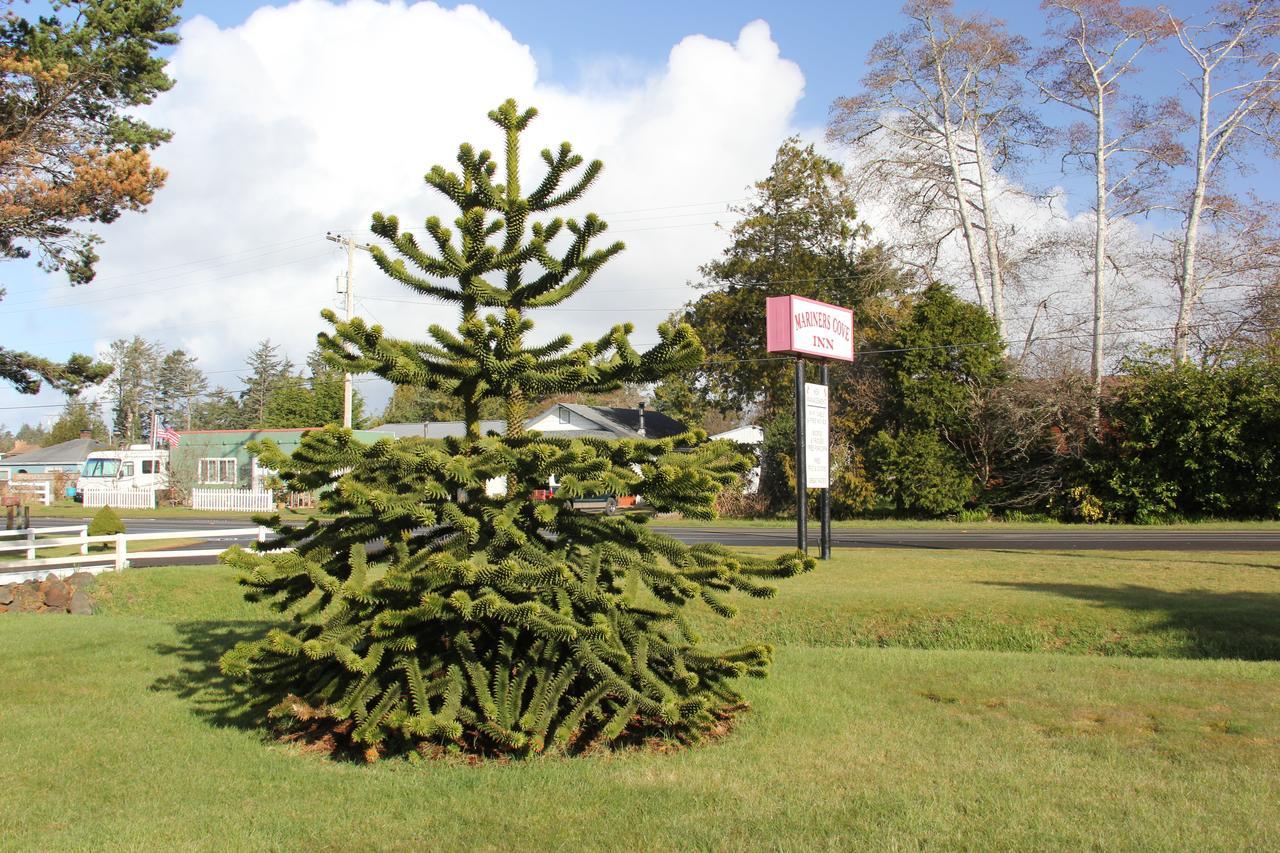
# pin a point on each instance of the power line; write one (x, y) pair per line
(96, 288)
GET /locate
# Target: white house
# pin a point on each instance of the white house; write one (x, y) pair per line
(751, 437)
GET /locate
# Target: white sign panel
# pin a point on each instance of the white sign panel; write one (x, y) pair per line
(803, 326)
(817, 439)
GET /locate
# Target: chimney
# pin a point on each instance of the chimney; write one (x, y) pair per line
(641, 427)
(84, 433)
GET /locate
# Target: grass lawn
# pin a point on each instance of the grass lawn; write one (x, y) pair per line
(945, 524)
(919, 699)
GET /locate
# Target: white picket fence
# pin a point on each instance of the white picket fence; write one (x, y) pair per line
(234, 500)
(121, 499)
(119, 558)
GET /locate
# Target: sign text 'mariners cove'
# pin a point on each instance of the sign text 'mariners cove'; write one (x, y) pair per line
(808, 327)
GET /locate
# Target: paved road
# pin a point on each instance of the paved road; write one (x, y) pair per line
(1073, 539)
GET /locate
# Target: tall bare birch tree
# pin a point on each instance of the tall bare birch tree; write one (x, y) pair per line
(940, 117)
(1122, 141)
(1235, 81)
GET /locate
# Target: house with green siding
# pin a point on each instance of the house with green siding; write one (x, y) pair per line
(220, 458)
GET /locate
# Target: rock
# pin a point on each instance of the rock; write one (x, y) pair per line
(6, 593)
(80, 580)
(81, 604)
(56, 594)
(26, 598)
(52, 578)
(4, 608)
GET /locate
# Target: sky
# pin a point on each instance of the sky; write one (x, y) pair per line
(293, 120)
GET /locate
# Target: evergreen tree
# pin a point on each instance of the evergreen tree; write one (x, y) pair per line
(800, 234)
(310, 401)
(77, 417)
(409, 404)
(268, 372)
(219, 410)
(131, 389)
(429, 611)
(937, 368)
(179, 386)
(36, 435)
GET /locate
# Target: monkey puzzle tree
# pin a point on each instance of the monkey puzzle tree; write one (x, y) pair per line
(433, 610)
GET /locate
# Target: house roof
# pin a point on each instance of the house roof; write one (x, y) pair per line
(620, 422)
(439, 429)
(613, 422)
(71, 452)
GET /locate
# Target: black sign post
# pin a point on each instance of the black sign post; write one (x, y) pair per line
(802, 490)
(824, 500)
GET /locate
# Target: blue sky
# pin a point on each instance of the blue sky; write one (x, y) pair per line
(191, 271)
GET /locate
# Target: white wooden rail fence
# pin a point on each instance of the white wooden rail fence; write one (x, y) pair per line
(120, 499)
(239, 500)
(119, 558)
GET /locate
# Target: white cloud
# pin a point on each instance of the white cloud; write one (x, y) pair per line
(309, 117)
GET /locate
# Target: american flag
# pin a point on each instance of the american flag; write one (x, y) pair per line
(170, 436)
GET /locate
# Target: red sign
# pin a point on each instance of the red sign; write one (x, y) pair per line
(807, 327)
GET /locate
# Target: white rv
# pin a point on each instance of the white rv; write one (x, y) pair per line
(139, 468)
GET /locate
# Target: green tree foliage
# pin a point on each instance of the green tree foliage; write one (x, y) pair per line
(36, 435)
(936, 368)
(179, 385)
(269, 371)
(27, 373)
(77, 417)
(1193, 440)
(800, 235)
(500, 622)
(219, 409)
(410, 405)
(72, 150)
(131, 391)
(918, 473)
(106, 523)
(309, 401)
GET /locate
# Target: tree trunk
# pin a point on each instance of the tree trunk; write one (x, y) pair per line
(1188, 287)
(1099, 261)
(957, 182)
(992, 239)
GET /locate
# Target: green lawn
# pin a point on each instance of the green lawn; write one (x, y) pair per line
(947, 524)
(896, 717)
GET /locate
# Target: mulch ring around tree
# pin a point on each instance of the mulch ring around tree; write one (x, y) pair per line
(318, 734)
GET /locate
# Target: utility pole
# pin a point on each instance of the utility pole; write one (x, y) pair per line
(350, 246)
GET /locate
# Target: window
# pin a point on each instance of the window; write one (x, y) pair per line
(565, 415)
(101, 467)
(126, 469)
(148, 466)
(215, 472)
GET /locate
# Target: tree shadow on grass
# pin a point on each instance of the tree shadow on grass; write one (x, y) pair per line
(1183, 557)
(213, 696)
(1243, 625)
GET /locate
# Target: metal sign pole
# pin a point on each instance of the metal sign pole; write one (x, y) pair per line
(824, 500)
(802, 495)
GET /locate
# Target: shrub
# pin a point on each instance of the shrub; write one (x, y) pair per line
(920, 474)
(1191, 440)
(106, 523)
(973, 516)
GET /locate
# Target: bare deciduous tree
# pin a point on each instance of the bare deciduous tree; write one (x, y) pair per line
(940, 118)
(1124, 142)
(1235, 82)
